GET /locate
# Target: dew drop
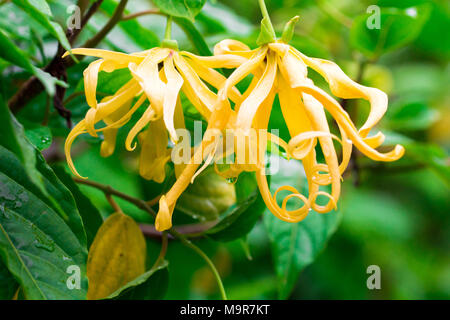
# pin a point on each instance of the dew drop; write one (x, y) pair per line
(232, 180)
(42, 241)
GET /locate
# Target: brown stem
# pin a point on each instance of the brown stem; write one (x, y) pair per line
(113, 203)
(162, 253)
(141, 13)
(141, 204)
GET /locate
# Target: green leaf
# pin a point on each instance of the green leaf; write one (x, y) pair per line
(431, 155)
(208, 197)
(194, 36)
(36, 243)
(181, 8)
(39, 11)
(8, 286)
(39, 136)
(41, 232)
(295, 245)
(400, 3)
(242, 217)
(412, 115)
(397, 28)
(91, 216)
(12, 54)
(151, 285)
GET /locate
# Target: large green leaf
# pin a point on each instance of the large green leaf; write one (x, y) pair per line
(8, 285)
(241, 217)
(150, 285)
(40, 11)
(12, 54)
(91, 216)
(397, 28)
(180, 8)
(41, 232)
(296, 245)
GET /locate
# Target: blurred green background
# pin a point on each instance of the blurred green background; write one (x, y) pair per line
(394, 215)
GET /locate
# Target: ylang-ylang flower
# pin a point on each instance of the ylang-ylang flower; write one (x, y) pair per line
(276, 69)
(279, 69)
(158, 76)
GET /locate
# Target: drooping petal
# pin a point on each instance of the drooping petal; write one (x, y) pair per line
(148, 116)
(250, 105)
(107, 55)
(109, 143)
(79, 129)
(164, 218)
(271, 201)
(217, 61)
(344, 121)
(147, 74)
(174, 83)
(90, 75)
(110, 105)
(154, 153)
(206, 96)
(344, 87)
(216, 79)
(244, 70)
(319, 122)
(233, 47)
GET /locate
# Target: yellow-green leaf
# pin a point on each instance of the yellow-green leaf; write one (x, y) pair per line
(116, 256)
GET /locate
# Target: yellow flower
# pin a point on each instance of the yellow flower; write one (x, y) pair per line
(158, 75)
(279, 69)
(303, 106)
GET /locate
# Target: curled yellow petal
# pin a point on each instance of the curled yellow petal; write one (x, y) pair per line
(79, 129)
(148, 115)
(344, 87)
(233, 47)
(344, 121)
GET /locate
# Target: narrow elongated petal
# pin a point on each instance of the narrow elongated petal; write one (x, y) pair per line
(110, 105)
(250, 106)
(79, 129)
(217, 61)
(206, 96)
(147, 74)
(233, 47)
(109, 143)
(319, 123)
(244, 70)
(154, 153)
(148, 115)
(174, 83)
(216, 79)
(107, 55)
(90, 75)
(344, 121)
(344, 87)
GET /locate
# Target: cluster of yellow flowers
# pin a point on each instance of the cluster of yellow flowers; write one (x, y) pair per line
(276, 68)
